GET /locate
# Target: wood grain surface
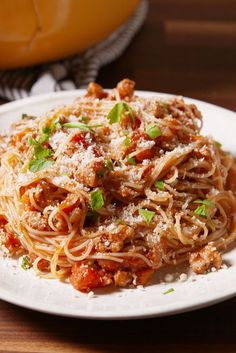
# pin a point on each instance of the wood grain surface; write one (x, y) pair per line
(186, 47)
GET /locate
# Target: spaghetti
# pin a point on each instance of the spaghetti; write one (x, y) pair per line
(111, 188)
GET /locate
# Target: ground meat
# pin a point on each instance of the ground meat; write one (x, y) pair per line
(96, 91)
(126, 88)
(122, 278)
(91, 176)
(157, 108)
(205, 259)
(115, 240)
(35, 220)
(11, 242)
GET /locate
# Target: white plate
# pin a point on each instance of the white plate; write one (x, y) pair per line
(25, 289)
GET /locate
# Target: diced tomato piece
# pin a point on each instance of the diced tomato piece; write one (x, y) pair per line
(13, 241)
(19, 136)
(43, 265)
(85, 278)
(3, 222)
(80, 138)
(69, 209)
(137, 123)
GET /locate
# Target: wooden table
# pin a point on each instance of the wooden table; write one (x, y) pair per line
(186, 47)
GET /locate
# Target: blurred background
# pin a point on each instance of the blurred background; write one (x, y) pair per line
(185, 47)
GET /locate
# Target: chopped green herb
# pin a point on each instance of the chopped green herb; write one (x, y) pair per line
(108, 164)
(218, 144)
(153, 131)
(55, 123)
(48, 129)
(25, 116)
(130, 112)
(169, 291)
(85, 119)
(80, 126)
(125, 132)
(207, 202)
(39, 164)
(32, 141)
(97, 200)
(159, 184)
(119, 221)
(127, 141)
(25, 263)
(65, 175)
(118, 163)
(147, 215)
(117, 112)
(130, 160)
(202, 210)
(17, 235)
(43, 138)
(101, 173)
(41, 152)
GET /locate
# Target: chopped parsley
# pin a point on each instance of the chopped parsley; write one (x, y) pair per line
(159, 184)
(25, 263)
(127, 141)
(81, 126)
(118, 163)
(125, 132)
(119, 221)
(147, 215)
(153, 131)
(115, 115)
(169, 291)
(130, 160)
(85, 119)
(101, 173)
(54, 124)
(25, 116)
(97, 199)
(39, 164)
(207, 202)
(108, 164)
(40, 154)
(202, 209)
(218, 144)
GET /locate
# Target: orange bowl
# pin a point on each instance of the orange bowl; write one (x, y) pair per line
(38, 31)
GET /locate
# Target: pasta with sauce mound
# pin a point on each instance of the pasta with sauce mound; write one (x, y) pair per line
(111, 188)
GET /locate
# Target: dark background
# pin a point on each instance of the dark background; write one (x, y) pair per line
(186, 47)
